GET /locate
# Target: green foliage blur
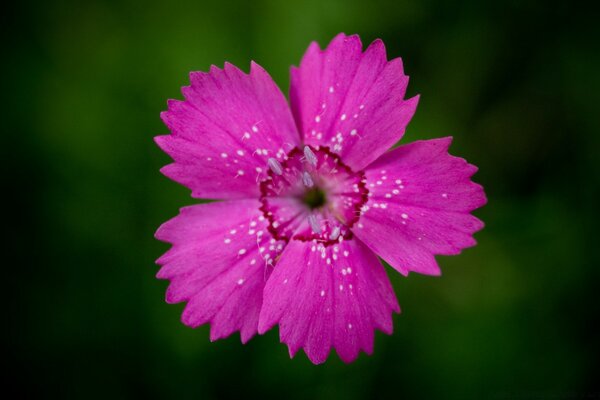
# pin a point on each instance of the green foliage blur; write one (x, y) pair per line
(516, 83)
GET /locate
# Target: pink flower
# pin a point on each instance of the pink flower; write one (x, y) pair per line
(311, 196)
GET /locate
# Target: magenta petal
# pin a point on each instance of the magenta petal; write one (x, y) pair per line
(351, 101)
(219, 263)
(419, 205)
(324, 297)
(222, 135)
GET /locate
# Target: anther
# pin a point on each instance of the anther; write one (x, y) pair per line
(275, 166)
(310, 156)
(307, 180)
(314, 225)
(335, 233)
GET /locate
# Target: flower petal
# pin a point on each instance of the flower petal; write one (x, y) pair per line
(325, 297)
(419, 205)
(222, 135)
(349, 100)
(219, 263)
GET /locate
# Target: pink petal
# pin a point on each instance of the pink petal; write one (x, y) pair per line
(351, 101)
(324, 297)
(222, 135)
(419, 205)
(219, 263)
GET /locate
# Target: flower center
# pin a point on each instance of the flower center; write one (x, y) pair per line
(309, 194)
(314, 198)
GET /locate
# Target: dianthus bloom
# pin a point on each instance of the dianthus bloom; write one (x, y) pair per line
(311, 197)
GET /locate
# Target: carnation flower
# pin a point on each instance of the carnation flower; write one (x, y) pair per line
(310, 197)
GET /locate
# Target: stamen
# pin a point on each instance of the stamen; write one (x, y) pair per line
(275, 166)
(335, 233)
(307, 180)
(310, 156)
(314, 225)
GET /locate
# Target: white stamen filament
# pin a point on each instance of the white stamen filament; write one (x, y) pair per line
(307, 180)
(310, 156)
(314, 225)
(275, 166)
(335, 233)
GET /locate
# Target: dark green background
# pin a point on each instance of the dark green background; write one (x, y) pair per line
(516, 83)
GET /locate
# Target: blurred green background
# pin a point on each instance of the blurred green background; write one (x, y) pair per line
(516, 83)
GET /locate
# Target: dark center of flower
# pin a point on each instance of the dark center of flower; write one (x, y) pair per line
(314, 198)
(309, 194)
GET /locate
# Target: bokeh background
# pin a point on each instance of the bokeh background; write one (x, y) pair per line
(516, 83)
